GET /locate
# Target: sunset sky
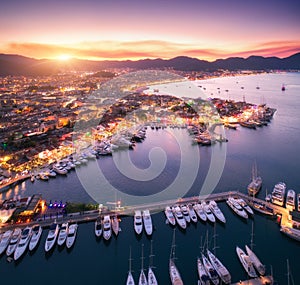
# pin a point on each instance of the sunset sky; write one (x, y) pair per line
(96, 29)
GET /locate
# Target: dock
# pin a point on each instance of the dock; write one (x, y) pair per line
(263, 280)
(14, 180)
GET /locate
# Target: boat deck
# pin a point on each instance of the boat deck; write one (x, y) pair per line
(263, 280)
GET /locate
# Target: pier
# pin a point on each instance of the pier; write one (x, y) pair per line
(14, 180)
(263, 280)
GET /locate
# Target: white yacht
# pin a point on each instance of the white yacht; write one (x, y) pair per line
(211, 272)
(147, 221)
(200, 212)
(106, 227)
(23, 242)
(219, 267)
(72, 232)
(63, 232)
(243, 203)
(51, 237)
(5, 240)
(246, 262)
(204, 278)
(216, 211)
(278, 193)
(210, 216)
(60, 169)
(185, 213)
(179, 217)
(290, 200)
(13, 241)
(138, 222)
(35, 237)
(170, 216)
(115, 224)
(192, 213)
(236, 207)
(98, 227)
(255, 261)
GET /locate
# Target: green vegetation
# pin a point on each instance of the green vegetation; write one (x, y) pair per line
(80, 207)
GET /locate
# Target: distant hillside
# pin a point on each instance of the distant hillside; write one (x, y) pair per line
(20, 65)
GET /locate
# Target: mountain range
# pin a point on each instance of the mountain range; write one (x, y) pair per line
(11, 64)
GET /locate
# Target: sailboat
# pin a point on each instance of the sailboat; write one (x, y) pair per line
(142, 278)
(151, 276)
(130, 280)
(255, 185)
(173, 271)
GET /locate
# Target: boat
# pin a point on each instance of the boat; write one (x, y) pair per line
(210, 216)
(216, 211)
(173, 270)
(13, 241)
(98, 227)
(130, 280)
(72, 232)
(236, 207)
(60, 169)
(185, 213)
(255, 261)
(5, 240)
(52, 236)
(23, 242)
(246, 262)
(192, 213)
(298, 198)
(262, 208)
(290, 232)
(179, 217)
(106, 227)
(211, 272)
(243, 203)
(115, 224)
(152, 280)
(35, 237)
(147, 221)
(278, 193)
(282, 87)
(219, 267)
(169, 215)
(204, 278)
(290, 199)
(63, 232)
(200, 212)
(142, 277)
(268, 197)
(256, 182)
(138, 222)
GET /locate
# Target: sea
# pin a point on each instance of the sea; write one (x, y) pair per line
(165, 156)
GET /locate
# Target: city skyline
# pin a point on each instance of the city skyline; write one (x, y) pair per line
(101, 30)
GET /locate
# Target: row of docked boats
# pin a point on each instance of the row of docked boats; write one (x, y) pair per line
(142, 219)
(15, 242)
(107, 225)
(183, 214)
(240, 207)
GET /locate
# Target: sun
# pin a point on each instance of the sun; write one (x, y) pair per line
(64, 57)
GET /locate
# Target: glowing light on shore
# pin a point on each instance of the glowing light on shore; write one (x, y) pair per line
(64, 57)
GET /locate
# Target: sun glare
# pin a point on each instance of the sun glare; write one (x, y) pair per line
(64, 57)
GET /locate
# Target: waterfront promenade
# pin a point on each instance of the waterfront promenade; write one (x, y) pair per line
(14, 180)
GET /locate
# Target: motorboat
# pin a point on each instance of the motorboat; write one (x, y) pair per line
(179, 217)
(236, 207)
(211, 272)
(246, 262)
(243, 203)
(219, 267)
(290, 200)
(170, 216)
(106, 227)
(204, 278)
(5, 240)
(13, 241)
(255, 261)
(192, 213)
(35, 237)
(98, 227)
(262, 208)
(216, 211)
(138, 222)
(63, 232)
(210, 216)
(72, 232)
(52, 236)
(185, 213)
(278, 193)
(23, 242)
(200, 212)
(115, 224)
(147, 221)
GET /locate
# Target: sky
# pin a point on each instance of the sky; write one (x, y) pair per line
(135, 29)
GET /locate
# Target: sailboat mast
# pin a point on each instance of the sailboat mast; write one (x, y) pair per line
(130, 259)
(288, 272)
(151, 256)
(252, 234)
(142, 257)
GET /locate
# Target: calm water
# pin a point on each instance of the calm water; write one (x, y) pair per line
(276, 150)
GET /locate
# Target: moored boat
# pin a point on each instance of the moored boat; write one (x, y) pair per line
(262, 208)
(291, 232)
(243, 203)
(179, 217)
(200, 212)
(211, 272)
(256, 182)
(210, 216)
(52, 236)
(170, 216)
(173, 270)
(5, 240)
(106, 227)
(13, 241)
(147, 221)
(192, 213)
(236, 207)
(219, 267)
(35, 237)
(130, 280)
(98, 227)
(142, 277)
(216, 211)
(204, 278)
(62, 235)
(138, 222)
(23, 242)
(246, 262)
(72, 232)
(255, 261)
(115, 224)
(152, 280)
(290, 200)
(278, 193)
(185, 213)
